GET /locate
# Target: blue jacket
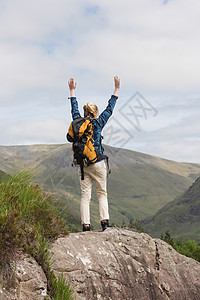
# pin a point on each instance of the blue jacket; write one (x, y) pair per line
(99, 123)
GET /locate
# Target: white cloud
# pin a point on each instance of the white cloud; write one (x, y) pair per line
(35, 132)
(178, 141)
(172, 133)
(151, 45)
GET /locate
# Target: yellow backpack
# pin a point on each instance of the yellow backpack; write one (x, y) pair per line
(80, 133)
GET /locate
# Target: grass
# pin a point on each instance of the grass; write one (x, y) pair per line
(29, 220)
(62, 289)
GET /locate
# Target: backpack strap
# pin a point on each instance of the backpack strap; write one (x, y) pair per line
(82, 171)
(103, 156)
(107, 164)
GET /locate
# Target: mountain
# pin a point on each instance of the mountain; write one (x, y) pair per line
(138, 186)
(2, 174)
(180, 216)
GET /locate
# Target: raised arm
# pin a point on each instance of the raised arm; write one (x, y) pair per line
(74, 104)
(105, 115)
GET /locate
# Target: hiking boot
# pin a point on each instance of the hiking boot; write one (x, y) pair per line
(105, 224)
(86, 227)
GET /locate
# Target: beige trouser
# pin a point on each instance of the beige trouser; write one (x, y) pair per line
(96, 172)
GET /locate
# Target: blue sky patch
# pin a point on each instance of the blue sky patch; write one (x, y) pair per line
(165, 2)
(92, 10)
(49, 47)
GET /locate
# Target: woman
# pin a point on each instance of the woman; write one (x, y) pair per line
(96, 172)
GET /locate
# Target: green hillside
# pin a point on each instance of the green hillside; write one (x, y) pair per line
(138, 186)
(2, 174)
(181, 216)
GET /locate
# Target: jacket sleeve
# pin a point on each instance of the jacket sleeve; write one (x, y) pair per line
(105, 115)
(74, 108)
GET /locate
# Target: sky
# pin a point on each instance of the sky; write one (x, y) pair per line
(152, 45)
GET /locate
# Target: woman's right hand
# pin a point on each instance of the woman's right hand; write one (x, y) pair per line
(117, 85)
(117, 82)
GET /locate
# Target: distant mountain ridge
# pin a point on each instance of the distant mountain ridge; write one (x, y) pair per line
(2, 174)
(138, 186)
(180, 216)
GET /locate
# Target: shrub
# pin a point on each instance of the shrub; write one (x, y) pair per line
(187, 247)
(29, 220)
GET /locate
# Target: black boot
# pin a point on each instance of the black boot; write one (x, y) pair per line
(86, 227)
(105, 224)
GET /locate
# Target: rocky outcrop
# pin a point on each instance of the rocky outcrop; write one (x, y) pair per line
(123, 264)
(112, 265)
(25, 280)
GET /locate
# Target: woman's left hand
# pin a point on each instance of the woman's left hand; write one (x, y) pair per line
(71, 83)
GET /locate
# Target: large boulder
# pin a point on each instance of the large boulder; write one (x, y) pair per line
(123, 264)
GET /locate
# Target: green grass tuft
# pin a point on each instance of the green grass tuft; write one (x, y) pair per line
(27, 215)
(29, 220)
(62, 289)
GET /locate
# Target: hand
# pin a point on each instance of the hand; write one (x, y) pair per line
(117, 85)
(117, 82)
(72, 85)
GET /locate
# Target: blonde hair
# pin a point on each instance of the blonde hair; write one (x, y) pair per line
(91, 110)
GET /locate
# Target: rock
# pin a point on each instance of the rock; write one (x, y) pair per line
(112, 265)
(123, 264)
(26, 281)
